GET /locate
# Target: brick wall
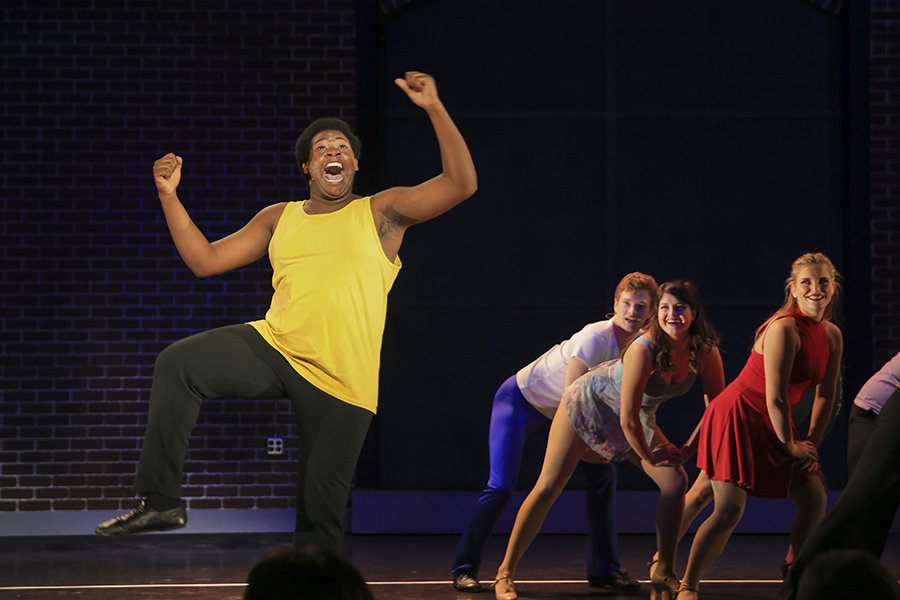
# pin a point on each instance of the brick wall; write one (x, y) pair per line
(92, 93)
(885, 177)
(92, 287)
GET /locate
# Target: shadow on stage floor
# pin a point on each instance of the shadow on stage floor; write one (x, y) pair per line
(207, 566)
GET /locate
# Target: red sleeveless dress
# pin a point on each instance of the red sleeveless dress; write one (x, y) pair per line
(737, 441)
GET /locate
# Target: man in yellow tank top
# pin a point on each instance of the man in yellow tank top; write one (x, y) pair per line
(334, 258)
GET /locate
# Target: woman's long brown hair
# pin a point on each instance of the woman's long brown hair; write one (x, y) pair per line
(701, 334)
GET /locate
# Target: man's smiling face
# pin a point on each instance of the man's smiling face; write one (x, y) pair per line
(332, 166)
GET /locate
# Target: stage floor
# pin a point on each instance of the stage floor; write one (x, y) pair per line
(215, 566)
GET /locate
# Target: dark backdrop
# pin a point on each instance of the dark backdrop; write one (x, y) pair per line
(697, 140)
(709, 140)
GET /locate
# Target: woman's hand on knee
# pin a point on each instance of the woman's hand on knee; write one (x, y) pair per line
(667, 455)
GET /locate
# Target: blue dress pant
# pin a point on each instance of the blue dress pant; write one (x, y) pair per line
(512, 420)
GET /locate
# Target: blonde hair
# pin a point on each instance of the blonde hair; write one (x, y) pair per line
(790, 303)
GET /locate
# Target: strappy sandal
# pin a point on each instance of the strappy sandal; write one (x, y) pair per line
(686, 588)
(665, 583)
(510, 593)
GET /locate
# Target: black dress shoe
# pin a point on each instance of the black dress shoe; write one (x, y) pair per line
(143, 519)
(466, 582)
(617, 580)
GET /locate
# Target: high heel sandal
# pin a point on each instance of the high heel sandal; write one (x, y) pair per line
(664, 583)
(650, 564)
(686, 588)
(785, 567)
(510, 593)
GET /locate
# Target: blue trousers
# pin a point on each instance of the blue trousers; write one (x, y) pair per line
(512, 419)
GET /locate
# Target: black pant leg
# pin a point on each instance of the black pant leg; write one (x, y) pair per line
(226, 362)
(331, 435)
(860, 426)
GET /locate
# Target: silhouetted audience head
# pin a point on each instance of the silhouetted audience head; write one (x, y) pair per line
(847, 575)
(313, 573)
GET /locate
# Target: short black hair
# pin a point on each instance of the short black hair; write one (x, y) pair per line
(311, 573)
(304, 142)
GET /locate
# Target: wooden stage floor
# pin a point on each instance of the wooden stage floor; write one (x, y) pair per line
(208, 566)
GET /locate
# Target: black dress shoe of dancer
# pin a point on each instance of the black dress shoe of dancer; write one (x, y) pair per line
(617, 580)
(143, 519)
(466, 582)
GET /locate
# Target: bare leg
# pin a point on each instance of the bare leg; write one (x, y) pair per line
(564, 450)
(696, 499)
(811, 500)
(788, 560)
(730, 501)
(672, 484)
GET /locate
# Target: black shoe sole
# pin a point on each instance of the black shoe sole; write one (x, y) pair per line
(474, 589)
(614, 588)
(120, 533)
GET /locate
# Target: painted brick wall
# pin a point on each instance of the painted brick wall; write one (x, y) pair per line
(92, 93)
(885, 177)
(92, 289)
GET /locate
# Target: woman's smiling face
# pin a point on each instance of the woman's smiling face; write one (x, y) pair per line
(813, 290)
(675, 316)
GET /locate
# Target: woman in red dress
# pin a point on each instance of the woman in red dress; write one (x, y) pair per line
(748, 442)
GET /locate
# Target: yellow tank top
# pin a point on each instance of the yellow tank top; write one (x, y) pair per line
(331, 280)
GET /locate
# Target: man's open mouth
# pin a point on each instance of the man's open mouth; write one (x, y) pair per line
(334, 172)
